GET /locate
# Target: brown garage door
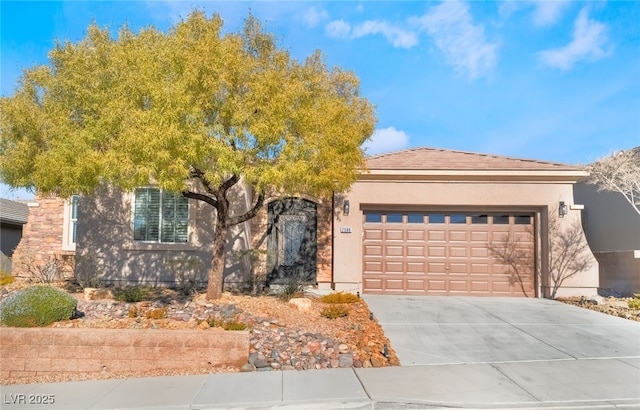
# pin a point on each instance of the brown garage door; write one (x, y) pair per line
(446, 253)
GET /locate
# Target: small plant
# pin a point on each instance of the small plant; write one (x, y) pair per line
(37, 306)
(634, 303)
(340, 297)
(87, 272)
(160, 313)
(335, 311)
(133, 294)
(133, 312)
(226, 325)
(292, 286)
(6, 279)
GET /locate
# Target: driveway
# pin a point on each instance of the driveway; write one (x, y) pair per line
(431, 330)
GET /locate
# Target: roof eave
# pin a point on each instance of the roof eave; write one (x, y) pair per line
(566, 175)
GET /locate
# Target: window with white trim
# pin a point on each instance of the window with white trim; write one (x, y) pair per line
(70, 227)
(160, 216)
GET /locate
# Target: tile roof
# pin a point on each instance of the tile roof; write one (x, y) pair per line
(443, 159)
(13, 212)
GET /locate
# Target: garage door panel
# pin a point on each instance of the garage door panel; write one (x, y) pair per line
(394, 284)
(394, 235)
(372, 250)
(415, 267)
(373, 266)
(394, 267)
(373, 234)
(458, 236)
(437, 257)
(457, 251)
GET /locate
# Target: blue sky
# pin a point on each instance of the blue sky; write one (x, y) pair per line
(555, 81)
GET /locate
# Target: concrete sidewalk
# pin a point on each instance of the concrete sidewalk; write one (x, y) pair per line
(561, 384)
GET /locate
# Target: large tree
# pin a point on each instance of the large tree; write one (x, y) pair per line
(619, 172)
(194, 110)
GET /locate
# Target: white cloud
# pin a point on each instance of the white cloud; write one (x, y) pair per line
(386, 140)
(338, 29)
(547, 13)
(397, 36)
(462, 43)
(588, 42)
(313, 16)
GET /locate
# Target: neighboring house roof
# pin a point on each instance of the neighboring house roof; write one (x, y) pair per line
(13, 212)
(450, 163)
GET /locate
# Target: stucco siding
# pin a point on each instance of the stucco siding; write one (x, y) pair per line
(536, 197)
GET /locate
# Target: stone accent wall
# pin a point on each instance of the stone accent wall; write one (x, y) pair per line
(47, 351)
(42, 238)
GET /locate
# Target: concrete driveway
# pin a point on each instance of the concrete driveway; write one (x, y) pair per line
(428, 330)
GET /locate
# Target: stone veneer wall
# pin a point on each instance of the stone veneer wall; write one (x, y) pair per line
(42, 237)
(60, 351)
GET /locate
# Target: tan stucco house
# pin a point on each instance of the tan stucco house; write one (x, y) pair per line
(421, 221)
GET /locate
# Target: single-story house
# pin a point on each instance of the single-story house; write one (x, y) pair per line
(612, 227)
(420, 221)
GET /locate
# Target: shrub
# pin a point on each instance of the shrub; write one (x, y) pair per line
(133, 294)
(6, 279)
(634, 303)
(159, 313)
(133, 312)
(335, 311)
(37, 306)
(226, 325)
(340, 297)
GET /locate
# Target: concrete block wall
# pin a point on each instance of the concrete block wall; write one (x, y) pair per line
(46, 351)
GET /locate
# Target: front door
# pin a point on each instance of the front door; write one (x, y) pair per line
(291, 243)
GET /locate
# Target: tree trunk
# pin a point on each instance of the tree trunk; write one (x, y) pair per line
(216, 272)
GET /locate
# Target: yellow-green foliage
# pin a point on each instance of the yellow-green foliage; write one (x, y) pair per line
(160, 313)
(635, 302)
(6, 279)
(335, 311)
(133, 294)
(340, 297)
(226, 325)
(37, 306)
(240, 105)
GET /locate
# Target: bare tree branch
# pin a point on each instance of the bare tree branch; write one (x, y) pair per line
(619, 172)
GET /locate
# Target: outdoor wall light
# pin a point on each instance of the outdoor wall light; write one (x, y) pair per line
(562, 209)
(345, 207)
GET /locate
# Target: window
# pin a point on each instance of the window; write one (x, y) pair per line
(415, 218)
(458, 219)
(436, 218)
(373, 217)
(160, 216)
(479, 219)
(70, 227)
(500, 219)
(522, 220)
(394, 218)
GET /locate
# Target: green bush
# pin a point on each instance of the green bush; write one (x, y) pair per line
(340, 297)
(335, 311)
(133, 294)
(634, 303)
(37, 306)
(226, 325)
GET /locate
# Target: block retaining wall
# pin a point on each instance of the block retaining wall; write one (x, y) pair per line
(47, 351)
